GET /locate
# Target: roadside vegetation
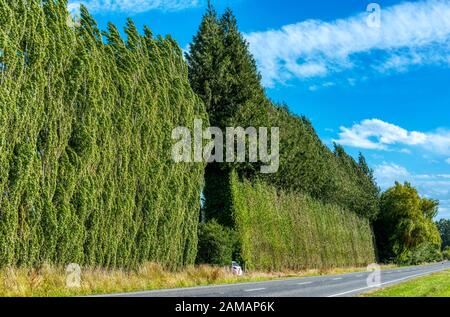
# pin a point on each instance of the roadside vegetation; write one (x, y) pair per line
(284, 220)
(87, 177)
(281, 230)
(444, 230)
(50, 280)
(315, 212)
(405, 231)
(435, 285)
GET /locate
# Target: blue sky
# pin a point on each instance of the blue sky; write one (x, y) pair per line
(377, 88)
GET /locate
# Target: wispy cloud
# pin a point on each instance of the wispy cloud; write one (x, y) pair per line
(323, 85)
(132, 6)
(404, 60)
(411, 34)
(435, 186)
(388, 173)
(405, 151)
(447, 160)
(378, 135)
(375, 134)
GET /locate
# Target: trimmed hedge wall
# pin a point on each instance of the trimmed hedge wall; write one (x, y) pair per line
(86, 174)
(281, 230)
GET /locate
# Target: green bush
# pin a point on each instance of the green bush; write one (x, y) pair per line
(216, 244)
(446, 253)
(424, 253)
(281, 230)
(405, 230)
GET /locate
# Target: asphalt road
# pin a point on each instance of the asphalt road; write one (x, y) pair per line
(343, 285)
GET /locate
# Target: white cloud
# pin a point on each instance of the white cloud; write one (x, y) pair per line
(388, 173)
(435, 186)
(375, 134)
(405, 151)
(413, 33)
(132, 6)
(439, 142)
(324, 85)
(403, 61)
(447, 160)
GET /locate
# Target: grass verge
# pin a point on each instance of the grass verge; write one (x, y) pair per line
(435, 285)
(51, 280)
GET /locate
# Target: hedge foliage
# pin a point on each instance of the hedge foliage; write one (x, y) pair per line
(86, 117)
(217, 244)
(281, 230)
(446, 253)
(424, 253)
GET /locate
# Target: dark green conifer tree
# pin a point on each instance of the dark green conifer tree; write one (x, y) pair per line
(224, 74)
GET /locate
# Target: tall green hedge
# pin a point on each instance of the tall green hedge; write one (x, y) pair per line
(86, 117)
(280, 230)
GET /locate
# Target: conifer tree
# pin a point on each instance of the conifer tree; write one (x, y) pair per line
(207, 65)
(224, 74)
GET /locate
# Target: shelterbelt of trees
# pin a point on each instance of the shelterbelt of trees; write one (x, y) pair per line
(86, 174)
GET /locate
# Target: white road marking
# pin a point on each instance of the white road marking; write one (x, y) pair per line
(254, 289)
(304, 283)
(385, 283)
(359, 275)
(337, 278)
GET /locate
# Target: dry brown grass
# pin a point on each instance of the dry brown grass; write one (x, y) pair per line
(51, 280)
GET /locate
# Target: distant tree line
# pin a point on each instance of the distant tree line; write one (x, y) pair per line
(444, 230)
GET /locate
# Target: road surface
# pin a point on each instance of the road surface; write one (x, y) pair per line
(343, 285)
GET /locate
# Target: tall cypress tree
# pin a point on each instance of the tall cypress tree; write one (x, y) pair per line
(224, 74)
(207, 66)
(244, 101)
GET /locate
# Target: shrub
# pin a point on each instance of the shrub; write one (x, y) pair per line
(215, 244)
(424, 253)
(446, 253)
(405, 229)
